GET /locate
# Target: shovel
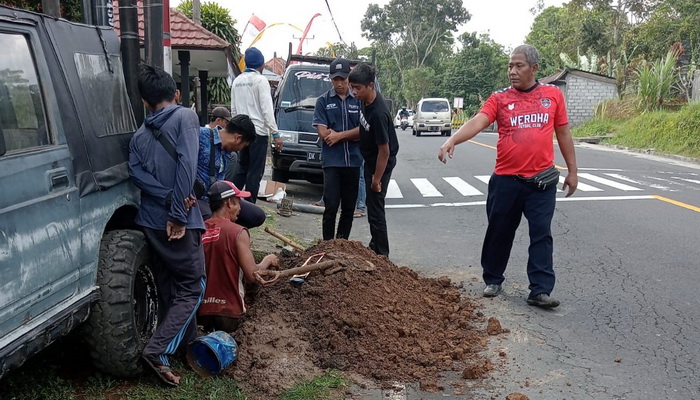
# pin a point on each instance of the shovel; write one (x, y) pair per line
(267, 277)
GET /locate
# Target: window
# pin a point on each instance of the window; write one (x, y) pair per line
(105, 93)
(435, 106)
(22, 117)
(303, 88)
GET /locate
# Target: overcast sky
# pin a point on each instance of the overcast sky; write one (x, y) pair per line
(507, 21)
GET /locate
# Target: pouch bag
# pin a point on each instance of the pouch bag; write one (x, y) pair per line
(544, 179)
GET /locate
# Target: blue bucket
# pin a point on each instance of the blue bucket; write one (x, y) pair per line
(210, 354)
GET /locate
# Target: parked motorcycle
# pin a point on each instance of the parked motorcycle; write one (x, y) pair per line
(404, 123)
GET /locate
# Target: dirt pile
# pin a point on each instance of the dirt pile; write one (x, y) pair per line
(371, 318)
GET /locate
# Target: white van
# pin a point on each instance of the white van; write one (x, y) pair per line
(433, 115)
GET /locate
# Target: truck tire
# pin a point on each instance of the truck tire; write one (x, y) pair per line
(279, 175)
(126, 315)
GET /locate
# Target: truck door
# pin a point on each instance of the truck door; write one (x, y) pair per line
(39, 204)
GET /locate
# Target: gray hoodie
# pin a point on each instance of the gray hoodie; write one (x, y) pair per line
(165, 183)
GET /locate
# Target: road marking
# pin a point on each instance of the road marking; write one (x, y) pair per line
(462, 187)
(393, 191)
(677, 203)
(687, 180)
(559, 199)
(608, 182)
(425, 187)
(583, 186)
(482, 144)
(599, 169)
(483, 178)
(630, 180)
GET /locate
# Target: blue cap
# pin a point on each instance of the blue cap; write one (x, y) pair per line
(254, 58)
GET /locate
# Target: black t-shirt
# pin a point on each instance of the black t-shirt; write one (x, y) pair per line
(377, 127)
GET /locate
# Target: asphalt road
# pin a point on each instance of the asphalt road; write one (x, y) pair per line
(627, 258)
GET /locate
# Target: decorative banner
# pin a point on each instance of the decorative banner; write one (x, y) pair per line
(241, 63)
(306, 31)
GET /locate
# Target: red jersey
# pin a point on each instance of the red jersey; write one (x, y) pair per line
(526, 122)
(225, 292)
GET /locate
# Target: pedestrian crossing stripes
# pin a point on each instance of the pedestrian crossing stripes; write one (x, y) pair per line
(455, 186)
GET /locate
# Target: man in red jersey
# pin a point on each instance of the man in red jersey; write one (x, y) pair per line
(527, 112)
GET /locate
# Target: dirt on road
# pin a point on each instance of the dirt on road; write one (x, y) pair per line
(371, 319)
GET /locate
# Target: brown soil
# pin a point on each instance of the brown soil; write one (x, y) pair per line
(517, 396)
(375, 319)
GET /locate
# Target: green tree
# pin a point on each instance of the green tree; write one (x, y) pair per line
(418, 83)
(339, 50)
(411, 34)
(554, 31)
(217, 20)
(413, 29)
(71, 10)
(479, 69)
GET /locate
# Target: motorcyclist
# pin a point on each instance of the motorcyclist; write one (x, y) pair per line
(403, 117)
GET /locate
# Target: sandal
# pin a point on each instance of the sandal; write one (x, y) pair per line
(162, 371)
(358, 214)
(318, 203)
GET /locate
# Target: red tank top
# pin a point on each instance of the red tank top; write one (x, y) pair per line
(225, 292)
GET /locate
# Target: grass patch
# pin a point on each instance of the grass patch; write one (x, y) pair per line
(33, 384)
(192, 387)
(595, 127)
(328, 386)
(49, 376)
(664, 131)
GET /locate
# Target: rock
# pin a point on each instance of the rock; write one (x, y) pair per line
(517, 396)
(494, 326)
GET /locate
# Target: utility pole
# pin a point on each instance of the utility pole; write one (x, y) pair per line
(196, 12)
(153, 32)
(51, 7)
(131, 54)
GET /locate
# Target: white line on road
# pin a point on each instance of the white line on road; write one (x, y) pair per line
(462, 187)
(630, 180)
(582, 186)
(425, 187)
(608, 182)
(483, 178)
(393, 191)
(601, 169)
(559, 199)
(687, 180)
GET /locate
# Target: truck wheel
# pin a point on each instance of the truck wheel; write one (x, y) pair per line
(279, 175)
(126, 315)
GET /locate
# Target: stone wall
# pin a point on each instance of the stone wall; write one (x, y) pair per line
(583, 95)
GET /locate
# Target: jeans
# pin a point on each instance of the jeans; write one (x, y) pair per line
(361, 193)
(339, 191)
(251, 167)
(507, 201)
(376, 215)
